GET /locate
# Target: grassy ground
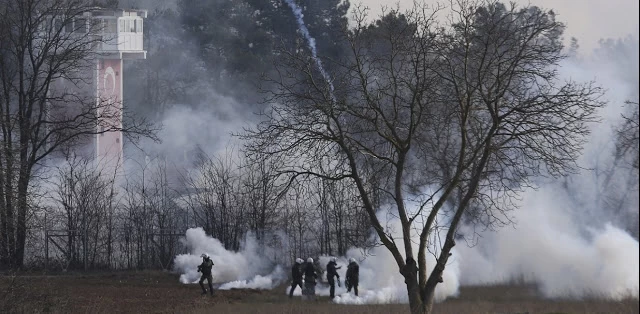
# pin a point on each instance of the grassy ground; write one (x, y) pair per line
(160, 292)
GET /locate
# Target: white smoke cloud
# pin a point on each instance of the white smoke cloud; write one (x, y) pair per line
(548, 247)
(564, 239)
(243, 269)
(258, 282)
(380, 281)
(210, 128)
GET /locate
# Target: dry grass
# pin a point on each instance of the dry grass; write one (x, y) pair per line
(300, 307)
(524, 299)
(160, 292)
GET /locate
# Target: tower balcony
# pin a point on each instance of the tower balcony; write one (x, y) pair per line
(121, 33)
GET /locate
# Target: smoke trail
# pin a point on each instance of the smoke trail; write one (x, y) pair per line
(243, 269)
(297, 12)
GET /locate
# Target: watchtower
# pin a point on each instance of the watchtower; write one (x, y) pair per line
(122, 38)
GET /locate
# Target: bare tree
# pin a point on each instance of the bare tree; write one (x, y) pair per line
(46, 59)
(215, 197)
(165, 221)
(334, 218)
(625, 167)
(298, 225)
(434, 120)
(263, 194)
(86, 195)
(138, 213)
(150, 215)
(628, 139)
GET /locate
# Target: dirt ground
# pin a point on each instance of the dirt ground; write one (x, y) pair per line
(160, 292)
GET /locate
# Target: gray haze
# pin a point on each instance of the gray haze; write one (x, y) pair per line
(566, 246)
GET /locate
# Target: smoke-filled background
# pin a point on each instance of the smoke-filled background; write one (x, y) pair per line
(202, 83)
(566, 237)
(577, 236)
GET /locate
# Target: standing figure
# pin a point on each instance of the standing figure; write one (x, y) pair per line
(310, 277)
(332, 275)
(296, 275)
(353, 274)
(205, 269)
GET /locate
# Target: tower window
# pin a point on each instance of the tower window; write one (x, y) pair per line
(81, 26)
(68, 27)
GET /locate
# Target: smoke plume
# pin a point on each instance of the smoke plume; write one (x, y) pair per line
(549, 248)
(566, 239)
(247, 268)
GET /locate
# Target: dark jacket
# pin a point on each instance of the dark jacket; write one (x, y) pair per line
(296, 272)
(310, 274)
(353, 273)
(205, 267)
(332, 271)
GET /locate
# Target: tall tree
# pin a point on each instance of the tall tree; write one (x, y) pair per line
(437, 119)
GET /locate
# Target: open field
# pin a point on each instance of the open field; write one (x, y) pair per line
(160, 292)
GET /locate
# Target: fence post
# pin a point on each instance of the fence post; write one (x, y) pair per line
(85, 248)
(46, 248)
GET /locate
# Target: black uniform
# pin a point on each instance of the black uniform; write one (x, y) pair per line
(331, 273)
(205, 268)
(353, 274)
(296, 275)
(310, 277)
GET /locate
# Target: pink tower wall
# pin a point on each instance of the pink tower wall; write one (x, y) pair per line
(109, 89)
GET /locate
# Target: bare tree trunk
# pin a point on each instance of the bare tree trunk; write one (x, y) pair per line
(21, 223)
(4, 236)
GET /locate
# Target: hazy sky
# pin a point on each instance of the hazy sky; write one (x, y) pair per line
(587, 20)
